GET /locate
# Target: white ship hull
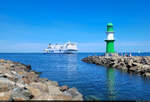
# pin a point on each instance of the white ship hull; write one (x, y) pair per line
(70, 52)
(62, 52)
(67, 48)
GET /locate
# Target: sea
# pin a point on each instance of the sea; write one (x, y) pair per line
(94, 82)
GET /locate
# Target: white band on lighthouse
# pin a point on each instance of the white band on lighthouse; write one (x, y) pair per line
(110, 35)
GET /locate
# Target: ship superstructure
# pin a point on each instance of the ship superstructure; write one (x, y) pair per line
(67, 48)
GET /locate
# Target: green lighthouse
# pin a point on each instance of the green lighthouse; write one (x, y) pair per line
(110, 39)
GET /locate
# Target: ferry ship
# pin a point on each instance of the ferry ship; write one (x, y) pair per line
(67, 48)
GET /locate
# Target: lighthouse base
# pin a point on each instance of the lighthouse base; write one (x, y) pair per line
(110, 46)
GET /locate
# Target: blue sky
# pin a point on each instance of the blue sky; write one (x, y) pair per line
(29, 25)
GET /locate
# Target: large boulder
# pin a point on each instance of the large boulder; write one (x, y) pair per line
(21, 72)
(21, 93)
(28, 67)
(34, 91)
(145, 60)
(122, 65)
(26, 80)
(148, 58)
(145, 68)
(130, 62)
(137, 59)
(62, 97)
(54, 83)
(74, 93)
(6, 84)
(32, 76)
(64, 88)
(41, 86)
(5, 96)
(134, 68)
(147, 74)
(53, 90)
(121, 59)
(2, 61)
(9, 76)
(43, 96)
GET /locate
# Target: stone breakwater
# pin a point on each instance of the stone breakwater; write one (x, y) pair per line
(136, 64)
(19, 82)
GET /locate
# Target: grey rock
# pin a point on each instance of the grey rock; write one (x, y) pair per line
(130, 62)
(6, 84)
(64, 88)
(74, 93)
(147, 74)
(136, 64)
(21, 93)
(18, 82)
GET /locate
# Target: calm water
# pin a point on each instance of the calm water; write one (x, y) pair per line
(93, 81)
